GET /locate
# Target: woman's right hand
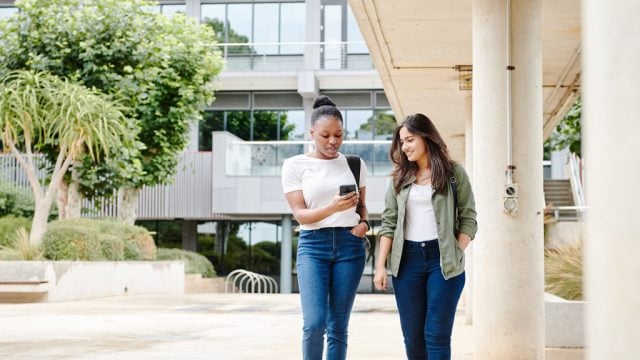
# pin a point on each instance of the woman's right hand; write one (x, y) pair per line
(344, 202)
(380, 277)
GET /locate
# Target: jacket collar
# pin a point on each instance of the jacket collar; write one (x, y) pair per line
(410, 180)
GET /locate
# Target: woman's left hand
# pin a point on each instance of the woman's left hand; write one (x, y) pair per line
(359, 230)
(463, 241)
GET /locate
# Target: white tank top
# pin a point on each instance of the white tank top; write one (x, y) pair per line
(420, 220)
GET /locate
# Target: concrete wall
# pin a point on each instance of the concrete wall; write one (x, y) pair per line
(72, 280)
(564, 322)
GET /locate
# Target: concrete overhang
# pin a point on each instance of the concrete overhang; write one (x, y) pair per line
(288, 80)
(418, 46)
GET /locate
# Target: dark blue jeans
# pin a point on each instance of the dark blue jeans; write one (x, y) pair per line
(426, 301)
(330, 262)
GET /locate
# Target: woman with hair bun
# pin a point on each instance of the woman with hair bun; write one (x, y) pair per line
(331, 244)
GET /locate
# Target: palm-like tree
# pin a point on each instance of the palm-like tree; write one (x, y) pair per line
(37, 109)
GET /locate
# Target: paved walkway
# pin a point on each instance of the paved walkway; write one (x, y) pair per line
(202, 326)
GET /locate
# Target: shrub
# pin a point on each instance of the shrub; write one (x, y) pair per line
(16, 201)
(90, 239)
(19, 202)
(138, 242)
(112, 247)
(194, 263)
(8, 227)
(68, 242)
(563, 272)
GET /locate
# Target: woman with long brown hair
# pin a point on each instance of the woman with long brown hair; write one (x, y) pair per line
(428, 221)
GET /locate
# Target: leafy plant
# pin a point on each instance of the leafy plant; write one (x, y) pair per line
(38, 108)
(161, 68)
(568, 133)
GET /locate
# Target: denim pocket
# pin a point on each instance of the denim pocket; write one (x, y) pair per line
(309, 234)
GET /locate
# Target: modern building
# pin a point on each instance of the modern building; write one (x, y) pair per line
(226, 201)
(525, 57)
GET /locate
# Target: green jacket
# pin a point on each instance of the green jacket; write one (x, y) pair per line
(451, 256)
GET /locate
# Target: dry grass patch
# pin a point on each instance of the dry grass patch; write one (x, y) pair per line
(563, 272)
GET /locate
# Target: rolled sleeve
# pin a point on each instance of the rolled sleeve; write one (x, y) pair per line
(390, 213)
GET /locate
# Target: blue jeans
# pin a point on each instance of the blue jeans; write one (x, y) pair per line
(330, 262)
(426, 301)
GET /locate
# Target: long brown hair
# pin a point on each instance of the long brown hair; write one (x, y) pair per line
(441, 164)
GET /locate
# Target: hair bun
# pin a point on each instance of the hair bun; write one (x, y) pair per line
(322, 101)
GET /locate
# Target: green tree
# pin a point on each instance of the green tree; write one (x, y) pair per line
(40, 108)
(568, 133)
(231, 37)
(265, 258)
(383, 123)
(162, 68)
(265, 125)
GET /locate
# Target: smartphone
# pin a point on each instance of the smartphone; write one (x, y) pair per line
(345, 189)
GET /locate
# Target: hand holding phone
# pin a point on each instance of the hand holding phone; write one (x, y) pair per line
(346, 189)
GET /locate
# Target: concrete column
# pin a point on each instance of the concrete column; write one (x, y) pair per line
(311, 59)
(508, 252)
(193, 10)
(611, 38)
(468, 164)
(312, 35)
(285, 255)
(189, 235)
(308, 109)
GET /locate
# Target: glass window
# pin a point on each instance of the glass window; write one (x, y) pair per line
(292, 24)
(167, 234)
(332, 34)
(295, 119)
(266, 124)
(384, 123)
(354, 35)
(265, 28)
(239, 17)
(170, 10)
(263, 245)
(239, 124)
(5, 12)
(356, 122)
(214, 15)
(211, 121)
(235, 122)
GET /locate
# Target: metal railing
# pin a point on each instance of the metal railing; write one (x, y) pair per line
(558, 212)
(244, 281)
(575, 178)
(11, 172)
(571, 213)
(259, 158)
(289, 56)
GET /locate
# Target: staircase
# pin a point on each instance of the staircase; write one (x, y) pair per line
(557, 193)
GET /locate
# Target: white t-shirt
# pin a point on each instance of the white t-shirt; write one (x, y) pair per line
(320, 181)
(420, 223)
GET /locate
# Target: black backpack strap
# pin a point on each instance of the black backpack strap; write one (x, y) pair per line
(354, 165)
(454, 188)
